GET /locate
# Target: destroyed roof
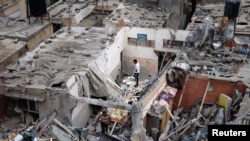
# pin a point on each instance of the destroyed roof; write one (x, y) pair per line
(78, 54)
(135, 16)
(209, 10)
(216, 11)
(206, 54)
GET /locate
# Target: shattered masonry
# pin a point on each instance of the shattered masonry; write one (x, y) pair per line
(61, 71)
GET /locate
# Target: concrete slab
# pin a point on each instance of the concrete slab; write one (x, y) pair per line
(55, 58)
(32, 34)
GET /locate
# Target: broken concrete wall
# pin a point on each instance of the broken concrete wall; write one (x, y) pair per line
(56, 100)
(166, 34)
(177, 19)
(195, 88)
(153, 92)
(68, 109)
(114, 53)
(81, 110)
(40, 35)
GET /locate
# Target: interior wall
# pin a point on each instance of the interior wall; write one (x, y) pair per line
(114, 54)
(148, 67)
(146, 55)
(195, 89)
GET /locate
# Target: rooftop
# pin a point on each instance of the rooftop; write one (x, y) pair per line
(59, 12)
(210, 54)
(13, 27)
(59, 56)
(136, 16)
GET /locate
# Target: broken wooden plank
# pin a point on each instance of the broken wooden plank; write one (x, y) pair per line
(182, 92)
(52, 116)
(203, 100)
(64, 127)
(180, 128)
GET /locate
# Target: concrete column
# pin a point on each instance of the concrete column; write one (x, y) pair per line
(137, 120)
(22, 8)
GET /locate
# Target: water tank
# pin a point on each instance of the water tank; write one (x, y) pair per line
(232, 9)
(37, 7)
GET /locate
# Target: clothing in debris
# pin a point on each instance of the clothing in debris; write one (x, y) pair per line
(136, 71)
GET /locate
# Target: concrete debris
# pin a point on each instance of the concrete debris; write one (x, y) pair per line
(65, 86)
(134, 16)
(211, 114)
(46, 129)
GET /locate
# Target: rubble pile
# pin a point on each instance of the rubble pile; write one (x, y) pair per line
(50, 128)
(139, 17)
(206, 53)
(192, 123)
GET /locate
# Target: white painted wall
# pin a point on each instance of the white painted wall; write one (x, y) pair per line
(159, 36)
(139, 51)
(147, 53)
(72, 86)
(114, 54)
(81, 114)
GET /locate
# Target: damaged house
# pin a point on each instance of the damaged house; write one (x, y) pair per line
(58, 90)
(70, 71)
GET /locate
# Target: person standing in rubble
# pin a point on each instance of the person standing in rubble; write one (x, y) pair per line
(136, 72)
(105, 121)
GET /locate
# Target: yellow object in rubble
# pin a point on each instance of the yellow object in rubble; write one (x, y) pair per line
(12, 135)
(117, 114)
(225, 102)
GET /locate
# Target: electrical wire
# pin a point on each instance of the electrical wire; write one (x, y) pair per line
(22, 29)
(13, 24)
(9, 28)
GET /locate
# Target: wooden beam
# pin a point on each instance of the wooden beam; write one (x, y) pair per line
(51, 117)
(103, 103)
(65, 128)
(182, 92)
(203, 100)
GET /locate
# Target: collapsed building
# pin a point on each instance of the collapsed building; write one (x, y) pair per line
(59, 88)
